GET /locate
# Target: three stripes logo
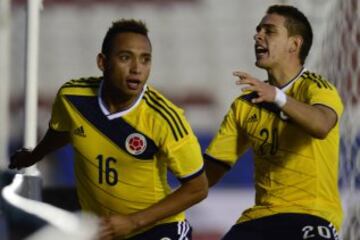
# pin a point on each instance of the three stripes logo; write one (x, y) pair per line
(318, 80)
(91, 82)
(171, 116)
(79, 131)
(253, 118)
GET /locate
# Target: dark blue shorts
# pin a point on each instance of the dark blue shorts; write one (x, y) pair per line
(168, 231)
(284, 227)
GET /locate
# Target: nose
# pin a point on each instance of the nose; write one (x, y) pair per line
(135, 66)
(256, 36)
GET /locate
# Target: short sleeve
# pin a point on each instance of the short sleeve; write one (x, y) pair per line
(327, 95)
(60, 120)
(184, 154)
(229, 143)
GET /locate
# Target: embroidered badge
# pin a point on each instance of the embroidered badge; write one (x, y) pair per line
(135, 144)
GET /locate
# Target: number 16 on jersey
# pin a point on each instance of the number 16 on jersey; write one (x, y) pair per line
(106, 171)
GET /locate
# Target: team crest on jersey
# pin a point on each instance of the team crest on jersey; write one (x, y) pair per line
(135, 143)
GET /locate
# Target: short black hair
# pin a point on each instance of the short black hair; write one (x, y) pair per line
(122, 26)
(297, 24)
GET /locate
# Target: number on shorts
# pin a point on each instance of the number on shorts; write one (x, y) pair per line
(310, 232)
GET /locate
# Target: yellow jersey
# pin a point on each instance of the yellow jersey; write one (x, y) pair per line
(294, 172)
(121, 159)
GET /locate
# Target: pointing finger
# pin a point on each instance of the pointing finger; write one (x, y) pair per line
(241, 75)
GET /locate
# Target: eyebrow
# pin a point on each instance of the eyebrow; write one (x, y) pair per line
(131, 52)
(145, 54)
(265, 25)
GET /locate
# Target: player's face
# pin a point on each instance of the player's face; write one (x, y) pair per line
(127, 66)
(272, 43)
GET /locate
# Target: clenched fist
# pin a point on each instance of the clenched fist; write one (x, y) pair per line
(22, 158)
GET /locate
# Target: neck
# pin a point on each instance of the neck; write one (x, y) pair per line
(115, 101)
(280, 77)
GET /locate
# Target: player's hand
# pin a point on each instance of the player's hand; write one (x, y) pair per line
(265, 91)
(116, 226)
(22, 158)
(106, 231)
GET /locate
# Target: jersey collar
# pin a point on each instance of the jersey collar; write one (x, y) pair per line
(112, 116)
(292, 81)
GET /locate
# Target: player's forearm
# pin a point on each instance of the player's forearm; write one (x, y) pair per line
(52, 141)
(184, 197)
(315, 120)
(25, 158)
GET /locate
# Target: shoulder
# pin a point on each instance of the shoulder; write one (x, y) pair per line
(244, 100)
(156, 100)
(166, 114)
(247, 97)
(311, 79)
(82, 86)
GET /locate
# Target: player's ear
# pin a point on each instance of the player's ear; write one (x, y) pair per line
(101, 61)
(296, 43)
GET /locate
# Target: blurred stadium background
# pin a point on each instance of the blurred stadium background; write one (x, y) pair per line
(196, 46)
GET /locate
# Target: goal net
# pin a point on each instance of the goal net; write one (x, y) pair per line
(339, 61)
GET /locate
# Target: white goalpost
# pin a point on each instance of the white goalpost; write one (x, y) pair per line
(31, 78)
(24, 193)
(5, 34)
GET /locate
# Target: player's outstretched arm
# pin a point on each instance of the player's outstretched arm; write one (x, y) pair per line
(188, 194)
(51, 141)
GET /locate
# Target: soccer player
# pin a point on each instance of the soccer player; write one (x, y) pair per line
(291, 122)
(126, 135)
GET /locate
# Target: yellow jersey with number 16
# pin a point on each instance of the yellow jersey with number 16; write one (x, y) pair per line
(121, 159)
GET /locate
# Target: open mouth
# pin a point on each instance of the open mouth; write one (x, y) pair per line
(260, 50)
(133, 84)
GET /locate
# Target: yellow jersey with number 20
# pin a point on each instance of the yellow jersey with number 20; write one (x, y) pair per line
(294, 172)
